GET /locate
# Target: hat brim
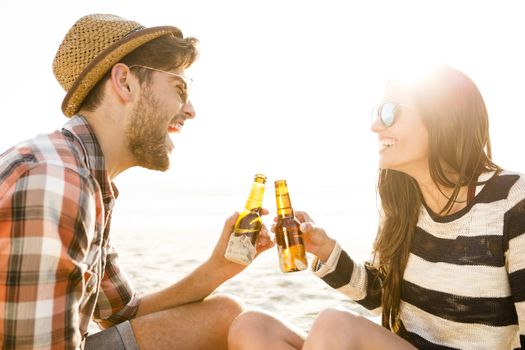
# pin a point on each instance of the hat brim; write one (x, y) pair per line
(95, 70)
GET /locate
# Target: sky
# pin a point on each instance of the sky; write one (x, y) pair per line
(282, 87)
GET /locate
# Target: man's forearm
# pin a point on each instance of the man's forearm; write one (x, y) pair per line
(194, 287)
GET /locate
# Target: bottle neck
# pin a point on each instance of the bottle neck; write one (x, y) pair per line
(256, 196)
(284, 205)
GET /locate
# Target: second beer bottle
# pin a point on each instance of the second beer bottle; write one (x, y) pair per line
(289, 238)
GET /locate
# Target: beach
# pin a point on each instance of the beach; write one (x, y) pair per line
(163, 232)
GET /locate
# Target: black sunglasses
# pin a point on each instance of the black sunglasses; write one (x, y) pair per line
(387, 113)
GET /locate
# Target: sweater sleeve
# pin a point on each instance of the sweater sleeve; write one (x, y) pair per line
(360, 282)
(515, 261)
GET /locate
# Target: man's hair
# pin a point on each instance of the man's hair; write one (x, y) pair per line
(166, 52)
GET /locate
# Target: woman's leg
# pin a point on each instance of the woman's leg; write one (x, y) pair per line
(340, 329)
(259, 330)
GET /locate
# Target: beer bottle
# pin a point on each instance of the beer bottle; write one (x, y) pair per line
(289, 238)
(243, 240)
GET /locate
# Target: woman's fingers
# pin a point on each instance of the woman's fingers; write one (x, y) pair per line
(303, 216)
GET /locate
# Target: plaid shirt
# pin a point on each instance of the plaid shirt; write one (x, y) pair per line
(58, 269)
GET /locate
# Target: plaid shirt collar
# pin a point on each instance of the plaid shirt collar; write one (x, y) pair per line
(86, 142)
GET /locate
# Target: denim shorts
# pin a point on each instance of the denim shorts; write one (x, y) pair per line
(119, 337)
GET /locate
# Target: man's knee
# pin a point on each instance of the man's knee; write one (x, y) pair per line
(333, 318)
(255, 316)
(227, 306)
(246, 326)
(248, 320)
(262, 330)
(333, 327)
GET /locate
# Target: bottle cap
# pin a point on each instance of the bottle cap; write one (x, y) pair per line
(260, 177)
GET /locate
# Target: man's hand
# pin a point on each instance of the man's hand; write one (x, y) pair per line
(226, 267)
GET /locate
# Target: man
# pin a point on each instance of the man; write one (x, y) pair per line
(126, 90)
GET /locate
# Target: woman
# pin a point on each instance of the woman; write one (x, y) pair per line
(449, 258)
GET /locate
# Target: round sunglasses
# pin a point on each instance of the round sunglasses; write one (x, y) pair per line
(387, 113)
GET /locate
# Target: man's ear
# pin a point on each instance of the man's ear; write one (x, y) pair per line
(121, 81)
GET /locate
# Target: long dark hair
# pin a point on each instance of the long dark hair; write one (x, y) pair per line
(456, 118)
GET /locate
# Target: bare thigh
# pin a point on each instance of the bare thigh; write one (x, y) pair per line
(202, 325)
(340, 329)
(258, 330)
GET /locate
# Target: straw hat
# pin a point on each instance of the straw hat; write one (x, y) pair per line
(91, 47)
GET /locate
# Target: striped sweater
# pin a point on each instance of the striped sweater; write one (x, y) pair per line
(464, 284)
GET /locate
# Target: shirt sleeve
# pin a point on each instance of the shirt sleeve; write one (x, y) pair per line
(359, 282)
(515, 261)
(46, 215)
(117, 300)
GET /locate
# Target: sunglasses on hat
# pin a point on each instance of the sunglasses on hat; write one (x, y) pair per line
(387, 113)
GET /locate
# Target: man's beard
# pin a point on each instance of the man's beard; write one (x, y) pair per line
(147, 134)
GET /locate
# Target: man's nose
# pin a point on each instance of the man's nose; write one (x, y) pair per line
(188, 110)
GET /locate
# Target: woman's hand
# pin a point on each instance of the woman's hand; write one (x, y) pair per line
(316, 241)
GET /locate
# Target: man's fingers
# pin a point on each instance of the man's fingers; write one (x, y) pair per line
(264, 242)
(264, 236)
(263, 233)
(230, 223)
(261, 247)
